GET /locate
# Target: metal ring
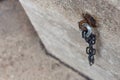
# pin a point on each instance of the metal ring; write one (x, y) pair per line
(89, 29)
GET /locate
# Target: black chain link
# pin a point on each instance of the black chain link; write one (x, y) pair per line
(91, 40)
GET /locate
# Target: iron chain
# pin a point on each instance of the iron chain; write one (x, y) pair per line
(91, 40)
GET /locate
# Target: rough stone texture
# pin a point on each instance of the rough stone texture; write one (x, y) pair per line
(22, 57)
(56, 22)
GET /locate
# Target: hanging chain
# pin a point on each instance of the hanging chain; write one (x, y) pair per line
(91, 40)
(86, 25)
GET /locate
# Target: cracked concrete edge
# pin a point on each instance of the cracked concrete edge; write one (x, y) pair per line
(63, 63)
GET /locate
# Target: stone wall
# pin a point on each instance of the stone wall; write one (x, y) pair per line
(56, 22)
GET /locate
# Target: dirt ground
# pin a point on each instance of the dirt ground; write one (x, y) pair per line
(22, 57)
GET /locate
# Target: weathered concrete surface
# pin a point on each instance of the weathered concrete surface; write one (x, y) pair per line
(22, 57)
(56, 23)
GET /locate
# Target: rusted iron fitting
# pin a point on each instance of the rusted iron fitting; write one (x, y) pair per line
(87, 19)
